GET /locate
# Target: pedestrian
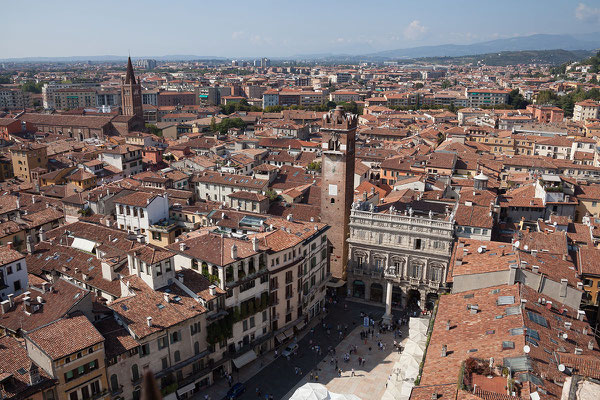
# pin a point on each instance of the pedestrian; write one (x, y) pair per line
(206, 397)
(369, 349)
(316, 377)
(311, 375)
(257, 392)
(340, 372)
(275, 353)
(336, 364)
(352, 373)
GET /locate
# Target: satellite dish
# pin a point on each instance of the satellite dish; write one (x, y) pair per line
(565, 336)
(525, 247)
(517, 244)
(480, 249)
(526, 349)
(561, 367)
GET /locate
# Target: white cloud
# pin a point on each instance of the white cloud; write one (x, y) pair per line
(414, 30)
(237, 35)
(583, 12)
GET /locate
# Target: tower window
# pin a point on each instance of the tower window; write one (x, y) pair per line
(417, 244)
(332, 200)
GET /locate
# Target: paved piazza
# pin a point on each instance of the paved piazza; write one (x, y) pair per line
(369, 380)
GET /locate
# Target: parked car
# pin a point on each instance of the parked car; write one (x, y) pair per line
(291, 349)
(236, 391)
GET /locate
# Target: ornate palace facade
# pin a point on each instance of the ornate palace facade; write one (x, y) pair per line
(398, 258)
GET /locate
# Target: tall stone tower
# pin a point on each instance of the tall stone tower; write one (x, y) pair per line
(337, 186)
(131, 94)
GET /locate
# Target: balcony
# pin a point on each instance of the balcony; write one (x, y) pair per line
(433, 284)
(414, 281)
(368, 269)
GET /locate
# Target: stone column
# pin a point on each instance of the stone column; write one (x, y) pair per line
(387, 317)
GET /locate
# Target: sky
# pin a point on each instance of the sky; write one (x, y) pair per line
(257, 28)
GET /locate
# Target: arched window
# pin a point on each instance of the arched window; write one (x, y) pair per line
(135, 372)
(177, 356)
(332, 200)
(196, 348)
(136, 393)
(114, 382)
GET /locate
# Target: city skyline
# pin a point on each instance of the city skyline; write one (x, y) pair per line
(278, 30)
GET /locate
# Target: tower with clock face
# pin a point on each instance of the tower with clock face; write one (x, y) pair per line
(337, 184)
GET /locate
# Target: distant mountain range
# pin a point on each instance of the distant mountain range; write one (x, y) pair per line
(519, 43)
(589, 41)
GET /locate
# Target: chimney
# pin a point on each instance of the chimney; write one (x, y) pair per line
(535, 268)
(444, 350)
(523, 303)
(42, 233)
(149, 321)
(181, 246)
(34, 374)
(9, 245)
(5, 305)
(591, 345)
(27, 304)
(448, 325)
(580, 315)
(30, 245)
(580, 285)
(568, 325)
(180, 277)
(254, 244)
(212, 289)
(166, 297)
(289, 217)
(10, 299)
(234, 253)
(578, 351)
(45, 287)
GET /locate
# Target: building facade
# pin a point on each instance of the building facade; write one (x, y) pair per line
(402, 259)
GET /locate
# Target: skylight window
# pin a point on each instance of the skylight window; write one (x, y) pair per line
(505, 300)
(537, 318)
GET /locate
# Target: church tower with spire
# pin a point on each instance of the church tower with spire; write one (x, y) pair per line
(131, 94)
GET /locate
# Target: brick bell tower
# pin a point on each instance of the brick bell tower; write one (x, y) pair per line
(337, 187)
(131, 94)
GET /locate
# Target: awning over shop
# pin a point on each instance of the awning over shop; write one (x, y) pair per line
(244, 359)
(289, 333)
(301, 325)
(186, 388)
(336, 284)
(280, 337)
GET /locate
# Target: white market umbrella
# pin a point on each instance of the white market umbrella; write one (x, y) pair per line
(311, 391)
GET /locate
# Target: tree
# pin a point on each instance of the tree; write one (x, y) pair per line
(213, 124)
(314, 166)
(271, 194)
(229, 123)
(32, 87)
(446, 84)
(419, 85)
(516, 99)
(154, 129)
(546, 97)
